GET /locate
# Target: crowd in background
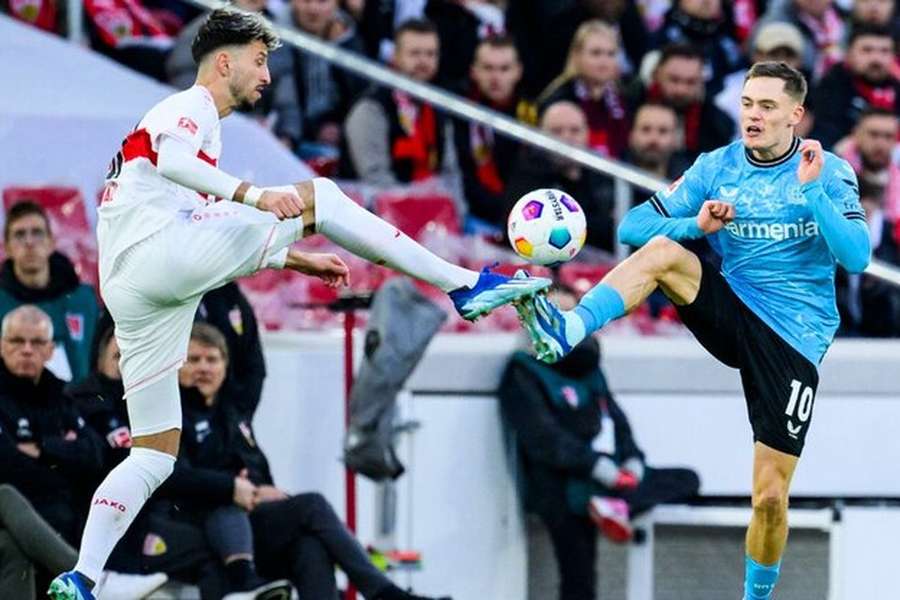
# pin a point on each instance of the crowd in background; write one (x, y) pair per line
(652, 83)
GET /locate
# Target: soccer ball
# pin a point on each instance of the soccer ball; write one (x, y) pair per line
(546, 227)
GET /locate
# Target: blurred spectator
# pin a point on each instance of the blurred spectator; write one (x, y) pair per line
(48, 453)
(881, 13)
(460, 25)
(654, 144)
(486, 160)
(677, 81)
(869, 306)
(703, 24)
(870, 151)
(278, 105)
(775, 41)
(392, 137)
(48, 15)
(544, 30)
(592, 80)
(325, 92)
(129, 33)
(863, 80)
(34, 273)
(221, 465)
(566, 121)
(381, 19)
(582, 468)
(821, 25)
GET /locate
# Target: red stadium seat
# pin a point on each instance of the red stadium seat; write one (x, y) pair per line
(414, 215)
(64, 205)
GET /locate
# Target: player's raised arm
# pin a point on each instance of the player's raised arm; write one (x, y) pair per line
(833, 195)
(681, 212)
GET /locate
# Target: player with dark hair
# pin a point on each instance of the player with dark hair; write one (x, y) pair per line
(782, 213)
(163, 245)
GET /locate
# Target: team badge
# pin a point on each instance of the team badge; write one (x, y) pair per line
(237, 322)
(75, 324)
(187, 123)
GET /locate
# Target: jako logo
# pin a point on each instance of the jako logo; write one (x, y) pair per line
(773, 231)
(110, 503)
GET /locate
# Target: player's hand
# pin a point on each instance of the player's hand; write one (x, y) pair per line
(327, 267)
(812, 157)
(244, 493)
(714, 215)
(269, 493)
(283, 205)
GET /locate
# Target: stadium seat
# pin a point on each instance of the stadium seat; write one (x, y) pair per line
(415, 215)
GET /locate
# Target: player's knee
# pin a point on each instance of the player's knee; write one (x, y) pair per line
(770, 503)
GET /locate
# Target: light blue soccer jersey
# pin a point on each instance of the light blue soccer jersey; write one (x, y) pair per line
(774, 254)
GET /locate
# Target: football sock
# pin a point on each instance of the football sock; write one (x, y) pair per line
(116, 503)
(600, 305)
(759, 580)
(344, 222)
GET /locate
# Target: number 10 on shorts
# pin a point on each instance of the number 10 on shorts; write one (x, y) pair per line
(801, 401)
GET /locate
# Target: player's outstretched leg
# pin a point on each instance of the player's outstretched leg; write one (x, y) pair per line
(330, 212)
(768, 531)
(660, 263)
(125, 490)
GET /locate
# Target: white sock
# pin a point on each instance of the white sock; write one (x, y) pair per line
(117, 502)
(354, 228)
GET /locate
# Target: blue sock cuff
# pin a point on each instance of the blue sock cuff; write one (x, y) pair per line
(600, 305)
(759, 582)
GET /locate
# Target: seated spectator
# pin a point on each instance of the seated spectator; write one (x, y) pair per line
(221, 465)
(393, 138)
(460, 27)
(592, 80)
(880, 13)
(379, 21)
(278, 105)
(30, 547)
(870, 152)
(129, 33)
(34, 273)
(486, 160)
(863, 80)
(775, 41)
(325, 92)
(703, 25)
(653, 143)
(870, 306)
(678, 82)
(582, 469)
(594, 191)
(822, 26)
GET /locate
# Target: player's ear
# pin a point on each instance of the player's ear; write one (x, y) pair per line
(223, 61)
(797, 114)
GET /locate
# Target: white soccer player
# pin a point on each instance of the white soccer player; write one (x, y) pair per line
(164, 243)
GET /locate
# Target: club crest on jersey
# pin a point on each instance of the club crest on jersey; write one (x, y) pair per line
(187, 123)
(75, 325)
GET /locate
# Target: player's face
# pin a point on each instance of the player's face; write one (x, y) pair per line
(496, 72)
(29, 244)
(876, 137)
(654, 135)
(681, 81)
(26, 347)
(203, 369)
(871, 57)
(416, 55)
(873, 11)
(249, 75)
(597, 59)
(314, 16)
(768, 114)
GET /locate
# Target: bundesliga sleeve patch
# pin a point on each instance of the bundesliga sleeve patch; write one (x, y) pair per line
(189, 124)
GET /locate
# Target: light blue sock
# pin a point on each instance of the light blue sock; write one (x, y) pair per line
(600, 305)
(759, 580)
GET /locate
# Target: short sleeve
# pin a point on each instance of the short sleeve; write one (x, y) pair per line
(685, 195)
(189, 116)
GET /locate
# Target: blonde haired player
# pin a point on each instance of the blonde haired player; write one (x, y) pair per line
(163, 243)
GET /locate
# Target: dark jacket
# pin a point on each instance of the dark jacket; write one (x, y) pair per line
(56, 483)
(841, 97)
(99, 399)
(70, 304)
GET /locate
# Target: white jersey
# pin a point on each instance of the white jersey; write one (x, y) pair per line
(137, 201)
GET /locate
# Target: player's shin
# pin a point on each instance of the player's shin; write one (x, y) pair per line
(349, 225)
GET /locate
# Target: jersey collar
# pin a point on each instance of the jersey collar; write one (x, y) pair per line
(775, 161)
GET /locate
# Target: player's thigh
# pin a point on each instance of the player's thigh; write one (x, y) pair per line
(780, 386)
(223, 241)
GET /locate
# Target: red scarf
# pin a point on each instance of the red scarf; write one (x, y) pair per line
(607, 118)
(883, 96)
(420, 145)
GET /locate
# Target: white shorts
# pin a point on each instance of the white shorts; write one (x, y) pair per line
(155, 286)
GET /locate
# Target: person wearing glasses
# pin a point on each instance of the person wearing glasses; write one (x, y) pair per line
(35, 273)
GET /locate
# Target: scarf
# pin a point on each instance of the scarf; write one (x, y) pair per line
(420, 146)
(828, 35)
